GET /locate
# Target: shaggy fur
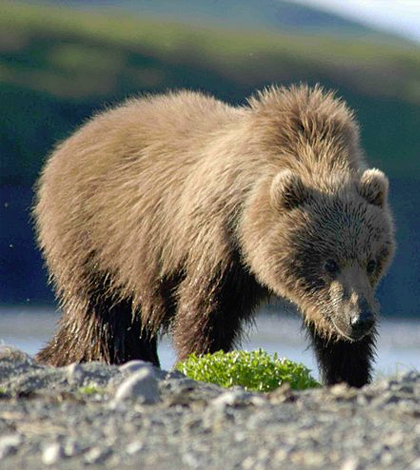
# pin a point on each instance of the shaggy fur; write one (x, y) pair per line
(180, 212)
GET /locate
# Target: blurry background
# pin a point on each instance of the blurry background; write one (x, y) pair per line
(61, 61)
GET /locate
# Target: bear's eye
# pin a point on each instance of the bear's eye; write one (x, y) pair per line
(371, 267)
(331, 267)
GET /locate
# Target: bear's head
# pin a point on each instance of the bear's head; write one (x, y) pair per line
(323, 246)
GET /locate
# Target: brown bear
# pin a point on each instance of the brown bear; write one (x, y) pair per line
(182, 213)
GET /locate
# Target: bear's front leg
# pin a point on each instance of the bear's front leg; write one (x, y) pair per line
(344, 361)
(204, 326)
(211, 313)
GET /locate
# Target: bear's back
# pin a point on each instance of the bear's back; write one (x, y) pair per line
(117, 187)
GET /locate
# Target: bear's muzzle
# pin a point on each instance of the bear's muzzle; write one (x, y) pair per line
(361, 322)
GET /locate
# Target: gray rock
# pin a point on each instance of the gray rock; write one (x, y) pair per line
(134, 447)
(71, 448)
(142, 384)
(9, 445)
(133, 366)
(415, 465)
(231, 398)
(97, 455)
(410, 376)
(14, 363)
(75, 374)
(174, 374)
(52, 454)
(350, 464)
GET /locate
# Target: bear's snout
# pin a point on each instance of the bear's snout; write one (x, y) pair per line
(355, 308)
(361, 323)
(356, 322)
(356, 317)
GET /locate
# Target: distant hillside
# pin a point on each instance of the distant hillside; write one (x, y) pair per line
(276, 15)
(58, 65)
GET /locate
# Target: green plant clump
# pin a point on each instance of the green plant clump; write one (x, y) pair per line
(255, 371)
(91, 390)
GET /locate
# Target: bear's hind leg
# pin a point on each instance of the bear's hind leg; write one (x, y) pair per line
(98, 327)
(344, 361)
(120, 332)
(112, 338)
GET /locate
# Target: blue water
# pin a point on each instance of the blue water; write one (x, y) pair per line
(398, 344)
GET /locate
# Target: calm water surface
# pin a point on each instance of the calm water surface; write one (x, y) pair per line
(398, 344)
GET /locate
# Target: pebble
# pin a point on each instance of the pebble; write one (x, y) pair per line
(52, 454)
(191, 460)
(71, 448)
(410, 376)
(9, 444)
(142, 384)
(134, 447)
(231, 398)
(339, 390)
(97, 455)
(75, 374)
(350, 464)
(134, 366)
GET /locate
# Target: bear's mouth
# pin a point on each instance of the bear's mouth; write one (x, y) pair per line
(342, 334)
(349, 333)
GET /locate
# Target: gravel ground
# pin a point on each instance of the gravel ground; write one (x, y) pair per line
(136, 416)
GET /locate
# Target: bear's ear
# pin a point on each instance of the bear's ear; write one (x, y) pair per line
(287, 190)
(374, 187)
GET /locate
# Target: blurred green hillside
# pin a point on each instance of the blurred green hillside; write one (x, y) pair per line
(59, 65)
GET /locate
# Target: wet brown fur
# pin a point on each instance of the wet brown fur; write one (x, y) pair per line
(181, 212)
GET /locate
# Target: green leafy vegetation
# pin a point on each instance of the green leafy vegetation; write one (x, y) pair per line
(91, 390)
(255, 371)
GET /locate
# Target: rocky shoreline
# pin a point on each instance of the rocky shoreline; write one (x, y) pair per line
(137, 416)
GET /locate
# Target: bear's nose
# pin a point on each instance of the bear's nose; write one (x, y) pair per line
(362, 323)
